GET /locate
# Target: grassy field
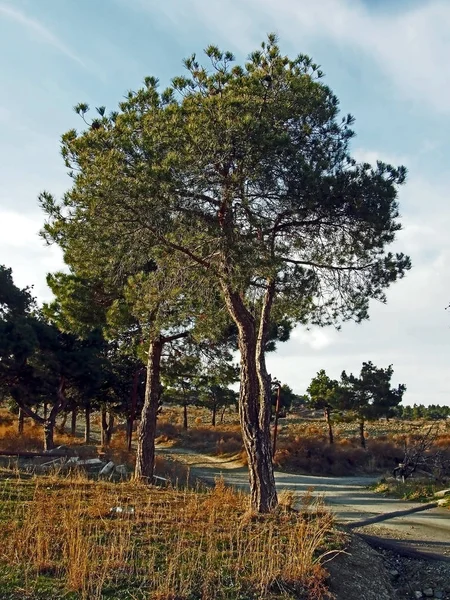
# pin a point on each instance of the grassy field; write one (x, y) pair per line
(66, 538)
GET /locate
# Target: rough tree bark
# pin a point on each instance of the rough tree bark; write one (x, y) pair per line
(145, 455)
(145, 452)
(255, 398)
(107, 419)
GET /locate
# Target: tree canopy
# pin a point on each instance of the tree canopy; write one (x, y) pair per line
(238, 181)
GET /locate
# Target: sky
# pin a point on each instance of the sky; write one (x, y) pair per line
(386, 61)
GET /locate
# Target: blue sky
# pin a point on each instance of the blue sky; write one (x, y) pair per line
(386, 61)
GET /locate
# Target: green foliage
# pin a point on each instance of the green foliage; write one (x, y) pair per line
(287, 398)
(242, 175)
(433, 412)
(370, 395)
(323, 392)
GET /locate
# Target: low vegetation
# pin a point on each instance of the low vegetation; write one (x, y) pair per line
(76, 538)
(419, 490)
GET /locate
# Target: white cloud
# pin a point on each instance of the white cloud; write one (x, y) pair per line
(412, 331)
(410, 46)
(25, 252)
(38, 30)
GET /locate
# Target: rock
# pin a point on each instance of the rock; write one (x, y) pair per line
(122, 510)
(418, 594)
(108, 468)
(442, 493)
(438, 594)
(121, 470)
(91, 462)
(394, 573)
(428, 592)
(59, 450)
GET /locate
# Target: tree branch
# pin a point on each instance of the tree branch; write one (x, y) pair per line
(326, 266)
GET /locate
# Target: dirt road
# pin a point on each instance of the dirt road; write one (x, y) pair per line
(348, 497)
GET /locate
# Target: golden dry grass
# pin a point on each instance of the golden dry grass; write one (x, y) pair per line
(166, 544)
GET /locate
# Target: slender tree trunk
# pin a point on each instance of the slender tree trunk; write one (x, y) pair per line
(132, 415)
(49, 429)
(104, 426)
(255, 400)
(50, 421)
(107, 419)
(222, 415)
(362, 437)
(213, 416)
(87, 424)
(185, 415)
(62, 425)
(329, 425)
(73, 422)
(145, 454)
(109, 429)
(45, 411)
(20, 421)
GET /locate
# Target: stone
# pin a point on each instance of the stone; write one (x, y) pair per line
(119, 510)
(428, 592)
(58, 450)
(442, 493)
(438, 594)
(418, 594)
(121, 470)
(394, 573)
(108, 468)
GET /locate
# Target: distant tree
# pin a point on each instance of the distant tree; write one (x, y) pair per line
(324, 394)
(370, 396)
(418, 411)
(288, 398)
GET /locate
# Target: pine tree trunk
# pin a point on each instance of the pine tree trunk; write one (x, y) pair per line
(45, 411)
(185, 415)
(110, 427)
(20, 422)
(362, 437)
(329, 425)
(73, 422)
(49, 429)
(255, 400)
(145, 454)
(62, 425)
(222, 415)
(50, 421)
(132, 415)
(87, 424)
(104, 427)
(213, 416)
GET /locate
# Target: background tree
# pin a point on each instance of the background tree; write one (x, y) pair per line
(287, 399)
(324, 394)
(241, 179)
(370, 396)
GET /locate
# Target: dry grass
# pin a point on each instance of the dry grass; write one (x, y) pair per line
(220, 440)
(166, 544)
